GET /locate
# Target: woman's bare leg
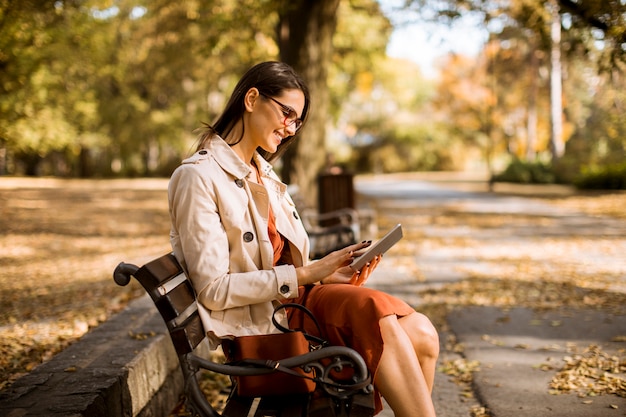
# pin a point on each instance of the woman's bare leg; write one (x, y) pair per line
(425, 342)
(400, 377)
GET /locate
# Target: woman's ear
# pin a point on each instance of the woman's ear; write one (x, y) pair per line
(251, 98)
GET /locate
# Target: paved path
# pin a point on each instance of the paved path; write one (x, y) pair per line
(457, 230)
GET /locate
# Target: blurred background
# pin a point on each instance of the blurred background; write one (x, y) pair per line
(524, 90)
(100, 100)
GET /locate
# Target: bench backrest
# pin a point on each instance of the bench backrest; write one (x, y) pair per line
(166, 283)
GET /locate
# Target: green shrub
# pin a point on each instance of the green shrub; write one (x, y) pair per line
(526, 173)
(607, 177)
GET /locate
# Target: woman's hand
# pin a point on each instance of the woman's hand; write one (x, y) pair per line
(332, 267)
(346, 275)
(360, 277)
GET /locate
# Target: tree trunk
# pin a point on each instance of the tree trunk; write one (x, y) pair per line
(557, 145)
(3, 158)
(305, 34)
(531, 120)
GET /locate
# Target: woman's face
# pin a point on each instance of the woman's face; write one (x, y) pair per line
(269, 116)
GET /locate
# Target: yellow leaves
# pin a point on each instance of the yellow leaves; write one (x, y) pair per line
(489, 339)
(460, 369)
(365, 83)
(141, 335)
(539, 322)
(518, 290)
(598, 205)
(22, 349)
(544, 367)
(479, 411)
(61, 241)
(591, 373)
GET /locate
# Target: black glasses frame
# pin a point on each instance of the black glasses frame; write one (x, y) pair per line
(291, 117)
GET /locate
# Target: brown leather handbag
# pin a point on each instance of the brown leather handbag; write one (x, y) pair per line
(267, 351)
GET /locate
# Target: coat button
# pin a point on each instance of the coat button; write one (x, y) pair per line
(284, 289)
(239, 182)
(203, 152)
(295, 214)
(248, 236)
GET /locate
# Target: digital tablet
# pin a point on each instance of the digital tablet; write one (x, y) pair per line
(381, 246)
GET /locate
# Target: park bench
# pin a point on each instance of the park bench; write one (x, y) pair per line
(335, 222)
(331, 231)
(173, 295)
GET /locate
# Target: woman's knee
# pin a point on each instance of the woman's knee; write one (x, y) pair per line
(422, 333)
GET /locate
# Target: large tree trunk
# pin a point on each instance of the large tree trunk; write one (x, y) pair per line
(557, 145)
(305, 36)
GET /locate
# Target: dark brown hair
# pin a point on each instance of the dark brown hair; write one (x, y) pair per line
(270, 78)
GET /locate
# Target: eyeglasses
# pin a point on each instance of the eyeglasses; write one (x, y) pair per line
(291, 117)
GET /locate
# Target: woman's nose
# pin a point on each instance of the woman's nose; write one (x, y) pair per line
(291, 129)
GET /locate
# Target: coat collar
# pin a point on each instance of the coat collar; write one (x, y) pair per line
(269, 177)
(227, 158)
(229, 161)
(232, 164)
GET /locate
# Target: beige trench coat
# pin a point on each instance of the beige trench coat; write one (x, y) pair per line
(219, 234)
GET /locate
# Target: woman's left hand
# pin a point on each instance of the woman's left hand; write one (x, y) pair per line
(360, 277)
(346, 275)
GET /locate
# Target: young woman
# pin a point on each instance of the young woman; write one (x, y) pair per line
(238, 235)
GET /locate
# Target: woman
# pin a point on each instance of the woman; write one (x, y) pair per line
(238, 235)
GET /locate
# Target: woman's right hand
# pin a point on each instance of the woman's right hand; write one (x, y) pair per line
(329, 264)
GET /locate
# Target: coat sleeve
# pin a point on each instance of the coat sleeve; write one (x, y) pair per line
(206, 248)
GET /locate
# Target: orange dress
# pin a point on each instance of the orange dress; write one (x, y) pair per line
(348, 315)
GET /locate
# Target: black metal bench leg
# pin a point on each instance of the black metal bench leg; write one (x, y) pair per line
(362, 405)
(322, 406)
(238, 407)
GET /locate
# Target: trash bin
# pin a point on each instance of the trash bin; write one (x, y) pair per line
(335, 192)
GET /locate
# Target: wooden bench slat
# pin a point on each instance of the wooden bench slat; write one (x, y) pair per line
(176, 301)
(189, 335)
(158, 271)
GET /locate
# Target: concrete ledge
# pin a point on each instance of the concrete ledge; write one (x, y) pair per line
(126, 367)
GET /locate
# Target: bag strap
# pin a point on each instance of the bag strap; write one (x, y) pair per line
(318, 340)
(275, 366)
